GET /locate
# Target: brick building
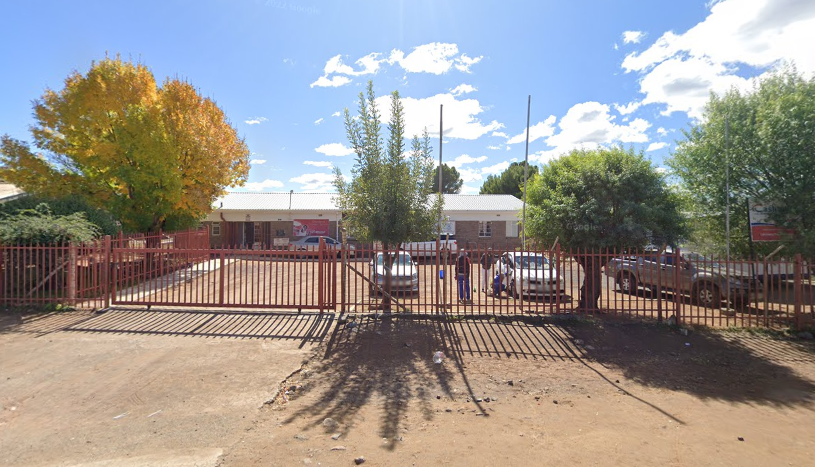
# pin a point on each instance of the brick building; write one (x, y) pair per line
(258, 220)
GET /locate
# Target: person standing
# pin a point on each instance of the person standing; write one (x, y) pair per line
(486, 262)
(463, 266)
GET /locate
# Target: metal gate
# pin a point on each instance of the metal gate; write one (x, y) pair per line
(230, 278)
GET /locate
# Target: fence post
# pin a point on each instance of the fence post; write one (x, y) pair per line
(798, 291)
(221, 284)
(343, 276)
(321, 276)
(106, 265)
(677, 286)
(71, 274)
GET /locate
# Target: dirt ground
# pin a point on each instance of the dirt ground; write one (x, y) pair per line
(528, 391)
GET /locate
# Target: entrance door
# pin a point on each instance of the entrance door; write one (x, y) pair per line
(248, 234)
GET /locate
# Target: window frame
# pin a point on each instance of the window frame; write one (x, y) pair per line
(484, 229)
(215, 229)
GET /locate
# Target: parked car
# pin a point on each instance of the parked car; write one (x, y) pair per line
(312, 243)
(707, 282)
(404, 273)
(531, 274)
(447, 243)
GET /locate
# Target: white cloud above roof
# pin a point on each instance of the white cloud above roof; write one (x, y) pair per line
(255, 121)
(462, 89)
(319, 182)
(264, 185)
(318, 163)
(318, 121)
(257, 161)
(466, 159)
(539, 130)
(632, 37)
(656, 146)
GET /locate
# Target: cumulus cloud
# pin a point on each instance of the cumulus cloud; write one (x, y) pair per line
(255, 121)
(629, 108)
(318, 163)
(494, 147)
(656, 146)
(499, 134)
(680, 69)
(466, 159)
(469, 190)
(462, 89)
(495, 169)
(334, 149)
(265, 184)
(460, 116)
(588, 125)
(434, 58)
(662, 131)
(318, 121)
(316, 182)
(632, 37)
(257, 161)
(333, 82)
(336, 114)
(539, 130)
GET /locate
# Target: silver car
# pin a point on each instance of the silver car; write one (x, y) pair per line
(312, 243)
(404, 274)
(531, 274)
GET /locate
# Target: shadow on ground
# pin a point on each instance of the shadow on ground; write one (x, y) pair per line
(388, 362)
(308, 327)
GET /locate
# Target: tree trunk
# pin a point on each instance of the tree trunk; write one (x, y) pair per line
(387, 261)
(591, 289)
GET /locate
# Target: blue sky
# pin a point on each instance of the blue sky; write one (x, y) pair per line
(599, 72)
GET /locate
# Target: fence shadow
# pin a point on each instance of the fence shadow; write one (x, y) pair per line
(307, 327)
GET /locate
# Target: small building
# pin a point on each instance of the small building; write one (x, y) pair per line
(262, 220)
(9, 192)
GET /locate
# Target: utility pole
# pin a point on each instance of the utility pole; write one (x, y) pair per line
(727, 182)
(439, 267)
(526, 173)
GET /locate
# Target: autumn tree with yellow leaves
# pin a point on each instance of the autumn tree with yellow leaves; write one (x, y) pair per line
(156, 157)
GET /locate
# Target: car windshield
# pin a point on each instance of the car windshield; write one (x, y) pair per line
(702, 261)
(401, 260)
(532, 262)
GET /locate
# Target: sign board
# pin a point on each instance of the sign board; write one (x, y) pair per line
(303, 227)
(280, 241)
(762, 227)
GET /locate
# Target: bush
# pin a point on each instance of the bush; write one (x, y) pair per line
(40, 226)
(103, 220)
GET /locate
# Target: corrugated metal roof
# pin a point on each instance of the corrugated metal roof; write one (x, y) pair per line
(9, 191)
(324, 202)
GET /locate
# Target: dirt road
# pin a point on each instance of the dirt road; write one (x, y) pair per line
(131, 387)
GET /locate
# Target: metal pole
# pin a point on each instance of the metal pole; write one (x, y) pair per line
(727, 182)
(526, 173)
(443, 297)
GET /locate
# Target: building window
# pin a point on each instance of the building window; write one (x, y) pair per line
(485, 229)
(258, 232)
(216, 229)
(512, 229)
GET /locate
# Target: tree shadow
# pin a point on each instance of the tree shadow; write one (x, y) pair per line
(734, 366)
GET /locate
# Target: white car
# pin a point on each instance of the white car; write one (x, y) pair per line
(531, 274)
(404, 274)
(312, 243)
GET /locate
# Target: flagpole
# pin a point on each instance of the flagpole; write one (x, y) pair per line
(526, 172)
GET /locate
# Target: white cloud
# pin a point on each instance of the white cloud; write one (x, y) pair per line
(336, 114)
(255, 121)
(495, 169)
(318, 163)
(435, 58)
(499, 134)
(470, 175)
(661, 170)
(662, 131)
(265, 184)
(679, 70)
(462, 89)
(629, 108)
(334, 149)
(289, 61)
(589, 125)
(494, 147)
(469, 190)
(466, 159)
(333, 82)
(460, 116)
(656, 146)
(318, 121)
(318, 182)
(632, 37)
(539, 130)
(257, 161)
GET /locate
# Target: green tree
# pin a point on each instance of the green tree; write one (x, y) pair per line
(450, 180)
(387, 198)
(509, 182)
(598, 199)
(156, 157)
(63, 206)
(771, 156)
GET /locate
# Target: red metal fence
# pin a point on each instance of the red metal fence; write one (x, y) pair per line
(182, 270)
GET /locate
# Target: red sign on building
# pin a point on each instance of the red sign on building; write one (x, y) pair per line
(304, 227)
(762, 227)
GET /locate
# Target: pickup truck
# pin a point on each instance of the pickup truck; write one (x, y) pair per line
(427, 249)
(707, 282)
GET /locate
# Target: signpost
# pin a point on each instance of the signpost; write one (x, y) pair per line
(762, 227)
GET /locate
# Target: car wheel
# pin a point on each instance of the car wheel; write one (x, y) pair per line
(627, 283)
(708, 295)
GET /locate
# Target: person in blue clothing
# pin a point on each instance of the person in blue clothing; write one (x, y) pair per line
(463, 266)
